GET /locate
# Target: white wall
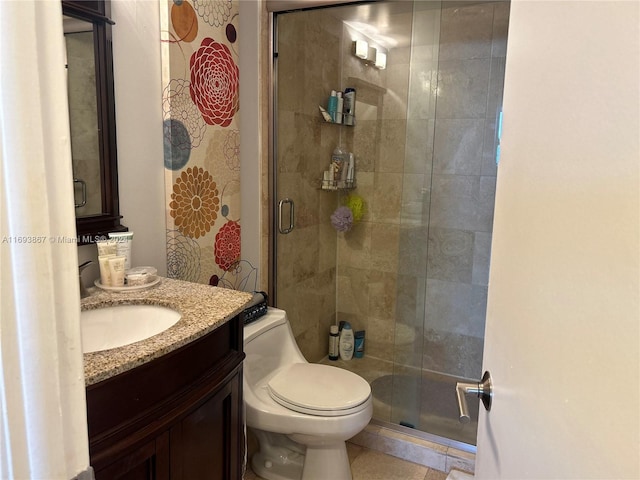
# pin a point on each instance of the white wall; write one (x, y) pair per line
(250, 117)
(138, 92)
(563, 319)
(138, 89)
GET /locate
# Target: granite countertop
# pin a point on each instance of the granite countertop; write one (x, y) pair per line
(203, 309)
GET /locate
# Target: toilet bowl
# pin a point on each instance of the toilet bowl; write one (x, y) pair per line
(301, 413)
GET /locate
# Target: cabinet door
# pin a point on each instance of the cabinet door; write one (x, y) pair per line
(207, 443)
(149, 462)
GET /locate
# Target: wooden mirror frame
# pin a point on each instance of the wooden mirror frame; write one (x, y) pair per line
(97, 12)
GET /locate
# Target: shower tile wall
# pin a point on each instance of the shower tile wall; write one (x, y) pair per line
(470, 82)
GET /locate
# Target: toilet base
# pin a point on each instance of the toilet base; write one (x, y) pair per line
(281, 458)
(266, 468)
(327, 462)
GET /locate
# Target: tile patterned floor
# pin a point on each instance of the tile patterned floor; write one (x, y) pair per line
(372, 465)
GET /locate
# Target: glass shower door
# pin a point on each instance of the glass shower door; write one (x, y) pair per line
(307, 67)
(461, 73)
(412, 273)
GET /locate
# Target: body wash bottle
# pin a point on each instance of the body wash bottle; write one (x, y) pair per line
(346, 342)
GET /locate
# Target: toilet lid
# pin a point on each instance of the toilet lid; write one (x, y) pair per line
(319, 389)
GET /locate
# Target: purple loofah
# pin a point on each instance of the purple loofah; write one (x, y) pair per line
(342, 219)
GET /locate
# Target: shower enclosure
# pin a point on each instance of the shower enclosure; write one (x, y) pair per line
(412, 272)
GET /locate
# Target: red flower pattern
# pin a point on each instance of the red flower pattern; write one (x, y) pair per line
(227, 246)
(214, 83)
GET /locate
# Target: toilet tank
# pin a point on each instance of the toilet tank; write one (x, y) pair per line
(269, 344)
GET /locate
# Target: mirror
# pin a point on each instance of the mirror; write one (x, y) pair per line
(83, 117)
(87, 30)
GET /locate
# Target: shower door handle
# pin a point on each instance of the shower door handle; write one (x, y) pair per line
(83, 184)
(482, 389)
(291, 225)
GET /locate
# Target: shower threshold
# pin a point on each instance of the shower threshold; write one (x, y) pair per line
(415, 446)
(429, 437)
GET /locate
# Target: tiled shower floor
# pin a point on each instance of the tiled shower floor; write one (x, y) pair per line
(420, 399)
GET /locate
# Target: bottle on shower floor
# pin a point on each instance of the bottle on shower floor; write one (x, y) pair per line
(346, 342)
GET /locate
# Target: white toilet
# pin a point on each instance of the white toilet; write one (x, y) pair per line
(301, 412)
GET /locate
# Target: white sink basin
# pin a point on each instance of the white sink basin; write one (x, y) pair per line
(112, 327)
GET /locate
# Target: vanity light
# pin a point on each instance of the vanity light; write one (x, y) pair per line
(372, 54)
(362, 49)
(381, 60)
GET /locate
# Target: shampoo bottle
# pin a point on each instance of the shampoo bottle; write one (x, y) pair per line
(349, 106)
(351, 172)
(346, 342)
(332, 105)
(339, 107)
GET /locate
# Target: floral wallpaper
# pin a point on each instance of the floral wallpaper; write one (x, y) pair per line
(202, 144)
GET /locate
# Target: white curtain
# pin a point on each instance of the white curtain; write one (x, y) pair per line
(43, 431)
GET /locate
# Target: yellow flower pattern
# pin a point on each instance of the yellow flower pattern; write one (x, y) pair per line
(195, 202)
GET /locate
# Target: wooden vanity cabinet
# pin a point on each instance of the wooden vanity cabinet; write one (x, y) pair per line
(177, 417)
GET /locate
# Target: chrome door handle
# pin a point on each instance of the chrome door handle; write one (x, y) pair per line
(482, 389)
(83, 184)
(291, 226)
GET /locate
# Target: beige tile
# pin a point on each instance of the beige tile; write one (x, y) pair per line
(353, 301)
(385, 205)
(353, 451)
(450, 254)
(385, 241)
(354, 246)
(434, 474)
(392, 146)
(412, 449)
(372, 465)
(500, 29)
(459, 460)
(458, 146)
(395, 100)
(413, 440)
(463, 87)
(466, 32)
(366, 438)
(459, 475)
(382, 298)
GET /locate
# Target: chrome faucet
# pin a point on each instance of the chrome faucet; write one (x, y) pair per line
(83, 291)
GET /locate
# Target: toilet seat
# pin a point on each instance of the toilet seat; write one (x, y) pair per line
(319, 390)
